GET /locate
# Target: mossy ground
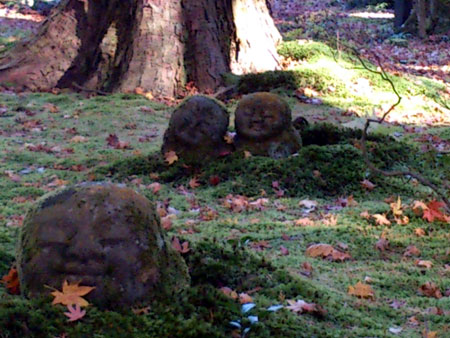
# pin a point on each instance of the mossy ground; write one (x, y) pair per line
(221, 252)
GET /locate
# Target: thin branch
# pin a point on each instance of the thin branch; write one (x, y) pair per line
(424, 181)
(99, 92)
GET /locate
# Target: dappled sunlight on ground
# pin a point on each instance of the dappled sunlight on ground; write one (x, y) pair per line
(372, 15)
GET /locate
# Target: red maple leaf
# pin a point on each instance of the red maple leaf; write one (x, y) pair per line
(433, 212)
(11, 281)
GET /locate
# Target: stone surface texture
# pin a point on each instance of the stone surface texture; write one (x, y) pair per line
(101, 235)
(264, 126)
(197, 129)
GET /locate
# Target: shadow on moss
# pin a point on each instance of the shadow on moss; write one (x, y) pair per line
(329, 164)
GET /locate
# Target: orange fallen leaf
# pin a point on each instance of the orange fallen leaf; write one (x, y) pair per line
(51, 108)
(155, 187)
(72, 294)
(419, 232)
(429, 334)
(245, 298)
(366, 184)
(193, 183)
(381, 219)
(382, 244)
(430, 289)
(402, 220)
(424, 264)
(78, 139)
(361, 290)
(11, 281)
(418, 207)
(411, 250)
(365, 214)
(171, 157)
(181, 248)
(229, 292)
(305, 221)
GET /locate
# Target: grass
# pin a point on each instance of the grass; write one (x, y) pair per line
(328, 167)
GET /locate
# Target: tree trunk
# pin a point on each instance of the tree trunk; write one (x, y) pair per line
(156, 45)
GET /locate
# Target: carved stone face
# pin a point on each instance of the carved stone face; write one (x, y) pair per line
(261, 116)
(102, 236)
(199, 121)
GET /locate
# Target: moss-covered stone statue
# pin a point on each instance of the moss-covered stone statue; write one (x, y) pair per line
(264, 126)
(197, 129)
(101, 235)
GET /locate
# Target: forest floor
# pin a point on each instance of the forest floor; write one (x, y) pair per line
(249, 221)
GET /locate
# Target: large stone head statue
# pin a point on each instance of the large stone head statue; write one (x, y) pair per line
(264, 127)
(101, 235)
(196, 129)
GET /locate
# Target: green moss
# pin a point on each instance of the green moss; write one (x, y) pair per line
(303, 51)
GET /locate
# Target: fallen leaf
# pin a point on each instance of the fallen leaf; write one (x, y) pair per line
(51, 108)
(166, 222)
(11, 281)
(397, 208)
(305, 221)
(382, 244)
(12, 176)
(284, 251)
(155, 187)
(300, 306)
(170, 157)
(419, 232)
(326, 251)
(214, 180)
(365, 214)
(433, 212)
(361, 290)
(307, 269)
(308, 204)
(411, 250)
(366, 184)
(381, 219)
(78, 139)
(141, 311)
(75, 313)
(229, 292)
(72, 294)
(245, 298)
(260, 245)
(247, 154)
(430, 289)
(418, 207)
(193, 183)
(429, 334)
(424, 264)
(181, 248)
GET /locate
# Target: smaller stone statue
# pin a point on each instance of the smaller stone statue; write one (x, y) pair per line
(100, 235)
(264, 127)
(197, 129)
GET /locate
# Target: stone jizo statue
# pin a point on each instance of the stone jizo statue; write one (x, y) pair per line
(101, 235)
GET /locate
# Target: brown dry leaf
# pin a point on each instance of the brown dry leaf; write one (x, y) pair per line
(11, 281)
(171, 157)
(308, 204)
(329, 220)
(411, 250)
(365, 214)
(382, 244)
(300, 306)
(166, 222)
(181, 248)
(284, 251)
(141, 311)
(429, 334)
(418, 207)
(236, 203)
(72, 294)
(193, 183)
(78, 139)
(13, 177)
(424, 264)
(57, 183)
(366, 184)
(260, 245)
(51, 108)
(381, 219)
(229, 138)
(247, 154)
(155, 187)
(419, 232)
(402, 220)
(229, 292)
(430, 289)
(305, 221)
(326, 251)
(361, 290)
(245, 298)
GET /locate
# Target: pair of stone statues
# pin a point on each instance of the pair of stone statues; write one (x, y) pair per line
(263, 126)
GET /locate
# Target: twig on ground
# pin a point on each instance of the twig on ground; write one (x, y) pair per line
(407, 173)
(99, 92)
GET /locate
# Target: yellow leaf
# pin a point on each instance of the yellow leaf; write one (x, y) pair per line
(419, 232)
(396, 208)
(247, 154)
(171, 157)
(381, 219)
(72, 294)
(361, 290)
(78, 139)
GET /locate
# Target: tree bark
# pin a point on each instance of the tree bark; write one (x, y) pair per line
(156, 45)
